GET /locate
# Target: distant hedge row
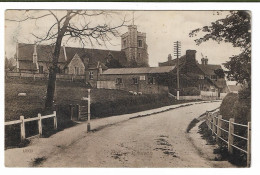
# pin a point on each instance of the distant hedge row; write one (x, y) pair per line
(129, 105)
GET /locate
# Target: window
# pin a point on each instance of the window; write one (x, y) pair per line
(76, 71)
(91, 75)
(119, 81)
(139, 55)
(135, 80)
(201, 77)
(142, 77)
(213, 77)
(140, 43)
(41, 69)
(124, 44)
(151, 80)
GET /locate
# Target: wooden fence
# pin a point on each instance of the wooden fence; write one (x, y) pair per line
(22, 122)
(215, 123)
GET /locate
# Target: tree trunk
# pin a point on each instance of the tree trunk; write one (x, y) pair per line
(52, 74)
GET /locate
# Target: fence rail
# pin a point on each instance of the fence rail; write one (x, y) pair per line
(22, 122)
(214, 122)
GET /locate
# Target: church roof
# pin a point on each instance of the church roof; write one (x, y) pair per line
(89, 57)
(139, 70)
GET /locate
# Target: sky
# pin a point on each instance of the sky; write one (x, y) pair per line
(162, 28)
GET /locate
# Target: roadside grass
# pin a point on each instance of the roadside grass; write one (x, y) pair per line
(33, 103)
(104, 103)
(237, 158)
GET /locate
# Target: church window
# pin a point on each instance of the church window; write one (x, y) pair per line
(135, 80)
(124, 44)
(91, 75)
(41, 69)
(119, 81)
(151, 80)
(139, 55)
(140, 43)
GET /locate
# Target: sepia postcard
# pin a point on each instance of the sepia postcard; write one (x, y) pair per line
(104, 88)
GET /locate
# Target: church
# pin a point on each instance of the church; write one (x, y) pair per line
(36, 59)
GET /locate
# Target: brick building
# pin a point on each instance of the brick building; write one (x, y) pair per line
(143, 79)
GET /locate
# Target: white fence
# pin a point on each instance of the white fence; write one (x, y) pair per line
(22, 122)
(209, 93)
(215, 124)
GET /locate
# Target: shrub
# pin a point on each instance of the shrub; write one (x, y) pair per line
(237, 106)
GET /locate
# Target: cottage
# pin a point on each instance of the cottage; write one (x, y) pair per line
(140, 80)
(204, 76)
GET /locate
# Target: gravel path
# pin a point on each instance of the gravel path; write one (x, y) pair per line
(157, 140)
(153, 141)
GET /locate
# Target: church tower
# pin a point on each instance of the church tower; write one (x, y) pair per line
(133, 43)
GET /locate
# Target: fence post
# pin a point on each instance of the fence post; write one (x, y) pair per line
(55, 120)
(214, 124)
(210, 120)
(22, 128)
(40, 124)
(71, 112)
(88, 126)
(219, 126)
(230, 136)
(249, 144)
(78, 110)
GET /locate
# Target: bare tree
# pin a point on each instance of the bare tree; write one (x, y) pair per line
(72, 25)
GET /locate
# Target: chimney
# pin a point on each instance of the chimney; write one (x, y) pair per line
(35, 54)
(64, 50)
(35, 57)
(169, 57)
(202, 61)
(206, 61)
(17, 56)
(191, 55)
(100, 69)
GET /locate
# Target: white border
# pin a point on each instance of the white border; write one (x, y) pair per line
(254, 7)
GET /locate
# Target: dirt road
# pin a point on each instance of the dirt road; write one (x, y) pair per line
(158, 140)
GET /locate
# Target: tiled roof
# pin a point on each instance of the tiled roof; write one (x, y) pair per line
(139, 70)
(209, 68)
(91, 56)
(173, 62)
(27, 65)
(44, 52)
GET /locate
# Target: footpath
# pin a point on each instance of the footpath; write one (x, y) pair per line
(41, 148)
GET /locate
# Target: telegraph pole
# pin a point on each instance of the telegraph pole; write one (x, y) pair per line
(177, 53)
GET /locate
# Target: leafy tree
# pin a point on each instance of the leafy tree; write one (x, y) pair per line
(9, 64)
(73, 25)
(220, 73)
(235, 28)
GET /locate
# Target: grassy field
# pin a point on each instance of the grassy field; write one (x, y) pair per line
(33, 103)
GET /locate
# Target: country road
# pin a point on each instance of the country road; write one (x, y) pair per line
(157, 140)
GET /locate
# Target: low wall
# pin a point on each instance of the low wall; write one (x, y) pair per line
(209, 93)
(67, 77)
(190, 97)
